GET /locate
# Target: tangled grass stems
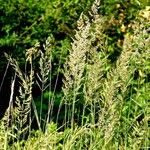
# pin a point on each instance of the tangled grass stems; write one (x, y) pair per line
(114, 111)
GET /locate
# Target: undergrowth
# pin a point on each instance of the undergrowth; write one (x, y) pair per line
(102, 106)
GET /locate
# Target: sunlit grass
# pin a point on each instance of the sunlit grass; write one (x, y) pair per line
(103, 106)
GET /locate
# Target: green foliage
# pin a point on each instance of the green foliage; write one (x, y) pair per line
(120, 14)
(104, 100)
(24, 23)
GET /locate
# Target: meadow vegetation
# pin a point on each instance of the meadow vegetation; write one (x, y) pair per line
(103, 102)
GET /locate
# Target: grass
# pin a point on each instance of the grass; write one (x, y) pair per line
(103, 105)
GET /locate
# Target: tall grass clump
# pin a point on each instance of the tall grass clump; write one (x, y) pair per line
(137, 103)
(109, 95)
(18, 115)
(105, 105)
(81, 80)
